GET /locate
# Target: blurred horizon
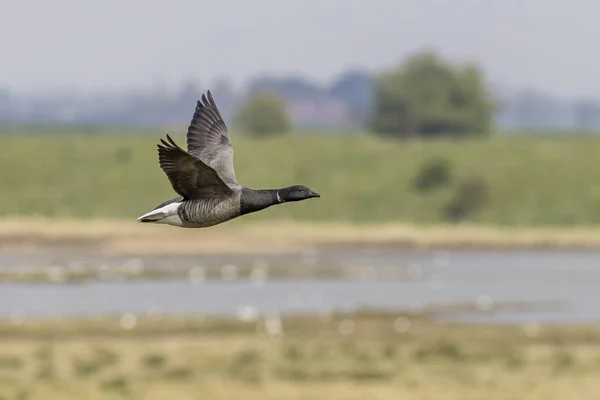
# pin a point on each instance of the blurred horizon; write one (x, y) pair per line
(344, 103)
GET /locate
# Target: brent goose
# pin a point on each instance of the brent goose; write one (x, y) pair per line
(204, 178)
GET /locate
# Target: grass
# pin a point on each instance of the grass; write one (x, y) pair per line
(306, 357)
(547, 181)
(262, 237)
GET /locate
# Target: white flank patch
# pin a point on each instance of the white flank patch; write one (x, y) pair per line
(164, 215)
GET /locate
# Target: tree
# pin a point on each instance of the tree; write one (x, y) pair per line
(426, 96)
(263, 114)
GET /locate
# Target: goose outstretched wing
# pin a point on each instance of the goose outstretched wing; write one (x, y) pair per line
(208, 139)
(190, 177)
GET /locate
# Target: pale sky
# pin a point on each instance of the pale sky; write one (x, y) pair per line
(552, 45)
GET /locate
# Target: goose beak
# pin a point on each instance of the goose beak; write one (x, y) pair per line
(314, 194)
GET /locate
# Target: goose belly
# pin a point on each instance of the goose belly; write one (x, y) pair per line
(202, 214)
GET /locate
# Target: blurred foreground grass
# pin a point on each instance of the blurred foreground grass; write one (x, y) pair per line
(531, 181)
(368, 354)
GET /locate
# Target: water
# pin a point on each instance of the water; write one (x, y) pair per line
(569, 281)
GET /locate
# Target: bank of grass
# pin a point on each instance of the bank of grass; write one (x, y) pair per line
(383, 355)
(241, 236)
(532, 181)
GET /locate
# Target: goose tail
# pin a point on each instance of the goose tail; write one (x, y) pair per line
(149, 217)
(166, 214)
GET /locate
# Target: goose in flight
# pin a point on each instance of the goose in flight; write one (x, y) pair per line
(204, 178)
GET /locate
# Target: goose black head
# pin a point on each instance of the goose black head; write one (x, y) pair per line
(295, 193)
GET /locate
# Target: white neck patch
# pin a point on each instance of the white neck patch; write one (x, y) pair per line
(279, 199)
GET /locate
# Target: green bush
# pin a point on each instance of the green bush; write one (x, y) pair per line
(470, 196)
(263, 114)
(434, 173)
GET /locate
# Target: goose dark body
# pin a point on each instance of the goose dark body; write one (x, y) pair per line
(204, 177)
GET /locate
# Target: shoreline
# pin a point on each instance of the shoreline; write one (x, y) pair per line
(276, 237)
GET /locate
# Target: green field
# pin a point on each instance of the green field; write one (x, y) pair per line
(531, 181)
(364, 355)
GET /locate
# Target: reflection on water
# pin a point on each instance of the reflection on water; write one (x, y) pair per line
(484, 279)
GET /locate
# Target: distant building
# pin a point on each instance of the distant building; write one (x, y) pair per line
(319, 113)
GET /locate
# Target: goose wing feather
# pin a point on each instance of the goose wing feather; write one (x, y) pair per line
(190, 177)
(208, 139)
